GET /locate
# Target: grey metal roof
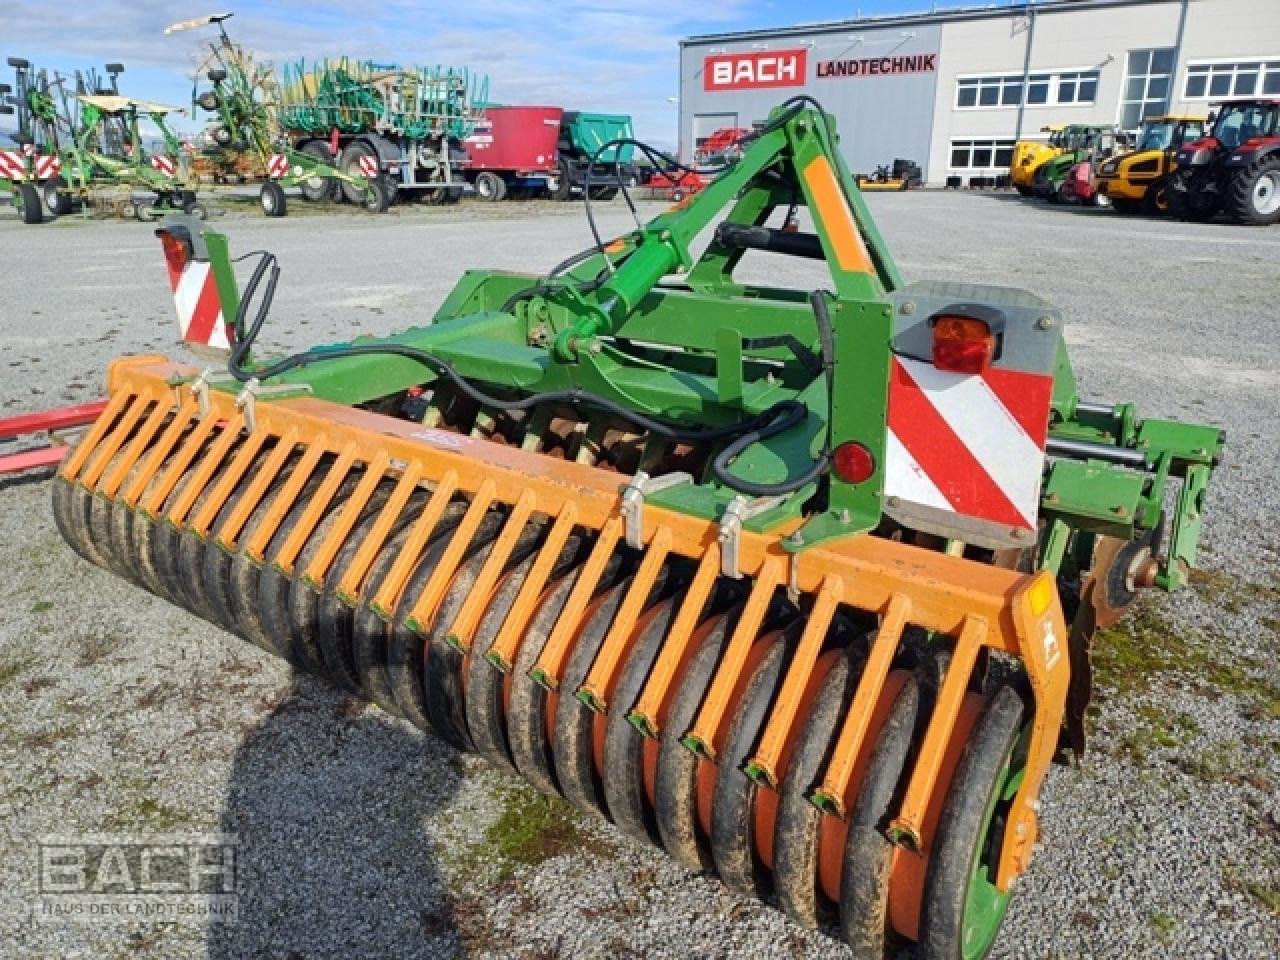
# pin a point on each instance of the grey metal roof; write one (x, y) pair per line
(946, 15)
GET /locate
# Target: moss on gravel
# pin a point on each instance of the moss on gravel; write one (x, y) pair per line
(533, 828)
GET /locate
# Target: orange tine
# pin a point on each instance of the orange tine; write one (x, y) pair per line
(137, 446)
(644, 717)
(181, 461)
(503, 652)
(156, 457)
(76, 459)
(114, 440)
(829, 796)
(547, 670)
(316, 506)
(205, 516)
(618, 640)
(908, 824)
(388, 595)
(249, 500)
(204, 472)
(419, 618)
(375, 469)
(258, 541)
(763, 767)
(701, 739)
(464, 624)
(349, 587)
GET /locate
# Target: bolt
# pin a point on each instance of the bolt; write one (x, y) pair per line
(595, 348)
(1021, 830)
(908, 308)
(1052, 498)
(665, 235)
(770, 379)
(1035, 806)
(1120, 511)
(845, 515)
(1044, 323)
(894, 501)
(1019, 533)
(796, 539)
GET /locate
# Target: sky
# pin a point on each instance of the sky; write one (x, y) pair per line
(616, 56)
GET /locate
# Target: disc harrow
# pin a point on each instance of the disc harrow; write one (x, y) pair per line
(700, 634)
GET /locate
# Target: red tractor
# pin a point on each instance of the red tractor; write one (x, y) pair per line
(1235, 170)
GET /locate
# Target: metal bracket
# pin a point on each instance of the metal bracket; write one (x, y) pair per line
(632, 506)
(246, 399)
(739, 511)
(200, 388)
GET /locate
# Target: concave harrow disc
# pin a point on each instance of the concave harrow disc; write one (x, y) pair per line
(780, 727)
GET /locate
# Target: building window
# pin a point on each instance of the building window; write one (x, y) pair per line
(1147, 78)
(1249, 78)
(1039, 89)
(981, 154)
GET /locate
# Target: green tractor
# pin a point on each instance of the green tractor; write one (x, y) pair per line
(244, 98)
(1077, 142)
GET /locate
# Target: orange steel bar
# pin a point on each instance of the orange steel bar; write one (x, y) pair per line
(114, 440)
(71, 466)
(464, 624)
(315, 509)
(253, 494)
(349, 586)
(701, 739)
(258, 541)
(644, 716)
(502, 653)
(617, 641)
(830, 794)
(764, 765)
(227, 483)
(550, 663)
(156, 456)
(178, 466)
(910, 819)
(209, 464)
(314, 575)
(388, 595)
(419, 618)
(115, 478)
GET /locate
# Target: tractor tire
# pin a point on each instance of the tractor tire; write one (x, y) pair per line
(29, 197)
(1099, 200)
(1155, 202)
(318, 189)
(349, 164)
(564, 185)
(1253, 195)
(1189, 201)
(1126, 207)
(208, 101)
(56, 199)
(490, 187)
(1025, 191)
(381, 195)
(272, 199)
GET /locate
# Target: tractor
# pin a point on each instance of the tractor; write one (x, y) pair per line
(24, 170)
(1235, 170)
(1080, 183)
(1030, 155)
(1138, 181)
(796, 585)
(1077, 142)
(245, 98)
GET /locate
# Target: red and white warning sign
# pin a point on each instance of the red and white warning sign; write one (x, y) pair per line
(163, 164)
(745, 71)
(369, 166)
(11, 164)
(195, 296)
(48, 166)
(970, 444)
(277, 165)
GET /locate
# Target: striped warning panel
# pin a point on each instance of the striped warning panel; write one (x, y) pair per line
(277, 165)
(966, 443)
(47, 167)
(11, 164)
(369, 166)
(195, 296)
(163, 164)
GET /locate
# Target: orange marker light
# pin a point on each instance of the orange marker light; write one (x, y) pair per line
(962, 344)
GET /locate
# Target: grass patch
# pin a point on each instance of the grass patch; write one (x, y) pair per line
(42, 606)
(1158, 730)
(147, 811)
(12, 667)
(1231, 593)
(1268, 897)
(1217, 763)
(46, 739)
(1164, 925)
(533, 828)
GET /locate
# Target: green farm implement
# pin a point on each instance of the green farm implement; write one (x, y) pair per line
(797, 585)
(246, 100)
(1073, 145)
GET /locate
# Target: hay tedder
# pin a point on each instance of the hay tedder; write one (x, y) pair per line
(798, 586)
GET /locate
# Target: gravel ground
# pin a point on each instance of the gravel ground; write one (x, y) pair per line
(358, 836)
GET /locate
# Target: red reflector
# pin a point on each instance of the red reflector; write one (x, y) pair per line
(176, 250)
(962, 344)
(853, 462)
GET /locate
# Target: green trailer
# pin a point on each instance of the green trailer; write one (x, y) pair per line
(584, 157)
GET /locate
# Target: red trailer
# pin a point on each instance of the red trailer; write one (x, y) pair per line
(513, 149)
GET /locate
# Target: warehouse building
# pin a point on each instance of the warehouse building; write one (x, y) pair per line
(953, 89)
